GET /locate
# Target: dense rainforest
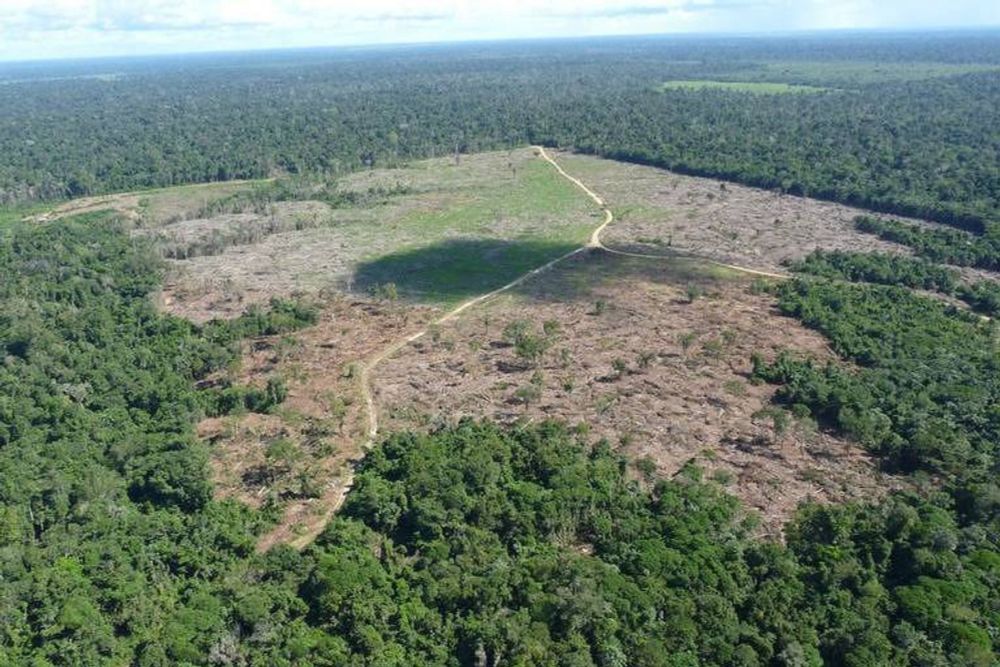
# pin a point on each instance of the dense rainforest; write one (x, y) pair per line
(915, 133)
(982, 296)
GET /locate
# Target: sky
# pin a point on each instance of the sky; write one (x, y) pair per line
(41, 29)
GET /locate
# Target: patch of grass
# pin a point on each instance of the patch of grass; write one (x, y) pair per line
(646, 467)
(723, 477)
(735, 388)
(694, 292)
(854, 73)
(165, 204)
(686, 340)
(452, 232)
(713, 348)
(755, 87)
(451, 271)
(537, 193)
(487, 233)
(605, 402)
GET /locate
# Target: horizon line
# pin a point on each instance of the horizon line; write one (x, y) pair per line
(375, 46)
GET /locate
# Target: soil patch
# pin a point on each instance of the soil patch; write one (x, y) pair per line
(658, 211)
(297, 457)
(632, 359)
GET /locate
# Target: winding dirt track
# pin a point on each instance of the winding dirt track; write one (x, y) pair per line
(315, 527)
(595, 238)
(595, 242)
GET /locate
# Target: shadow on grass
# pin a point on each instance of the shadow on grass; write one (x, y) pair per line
(583, 277)
(456, 269)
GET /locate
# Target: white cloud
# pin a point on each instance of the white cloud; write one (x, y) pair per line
(54, 28)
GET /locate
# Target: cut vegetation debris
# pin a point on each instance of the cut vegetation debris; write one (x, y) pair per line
(457, 230)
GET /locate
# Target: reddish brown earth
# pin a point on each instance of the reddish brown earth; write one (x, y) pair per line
(322, 419)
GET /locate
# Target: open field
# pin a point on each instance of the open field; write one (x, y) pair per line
(757, 87)
(855, 73)
(456, 231)
(149, 207)
(652, 353)
(10, 214)
(661, 212)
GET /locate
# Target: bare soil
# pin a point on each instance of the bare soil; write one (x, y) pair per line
(199, 286)
(151, 207)
(322, 422)
(651, 372)
(186, 238)
(659, 211)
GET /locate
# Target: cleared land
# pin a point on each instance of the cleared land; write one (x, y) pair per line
(298, 458)
(456, 230)
(633, 360)
(150, 207)
(661, 212)
(650, 353)
(757, 87)
(846, 74)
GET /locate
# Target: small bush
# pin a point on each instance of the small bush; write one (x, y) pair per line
(735, 388)
(712, 348)
(780, 418)
(530, 348)
(760, 286)
(686, 340)
(529, 393)
(723, 477)
(646, 467)
(605, 402)
(515, 330)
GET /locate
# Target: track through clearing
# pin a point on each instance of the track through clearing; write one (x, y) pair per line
(367, 367)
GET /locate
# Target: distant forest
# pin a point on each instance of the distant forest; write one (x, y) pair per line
(916, 133)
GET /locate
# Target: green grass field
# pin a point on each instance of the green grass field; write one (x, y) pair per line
(10, 214)
(849, 74)
(784, 77)
(494, 227)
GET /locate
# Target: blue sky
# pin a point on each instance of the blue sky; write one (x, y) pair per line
(31, 29)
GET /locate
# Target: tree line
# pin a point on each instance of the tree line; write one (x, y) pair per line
(918, 144)
(983, 296)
